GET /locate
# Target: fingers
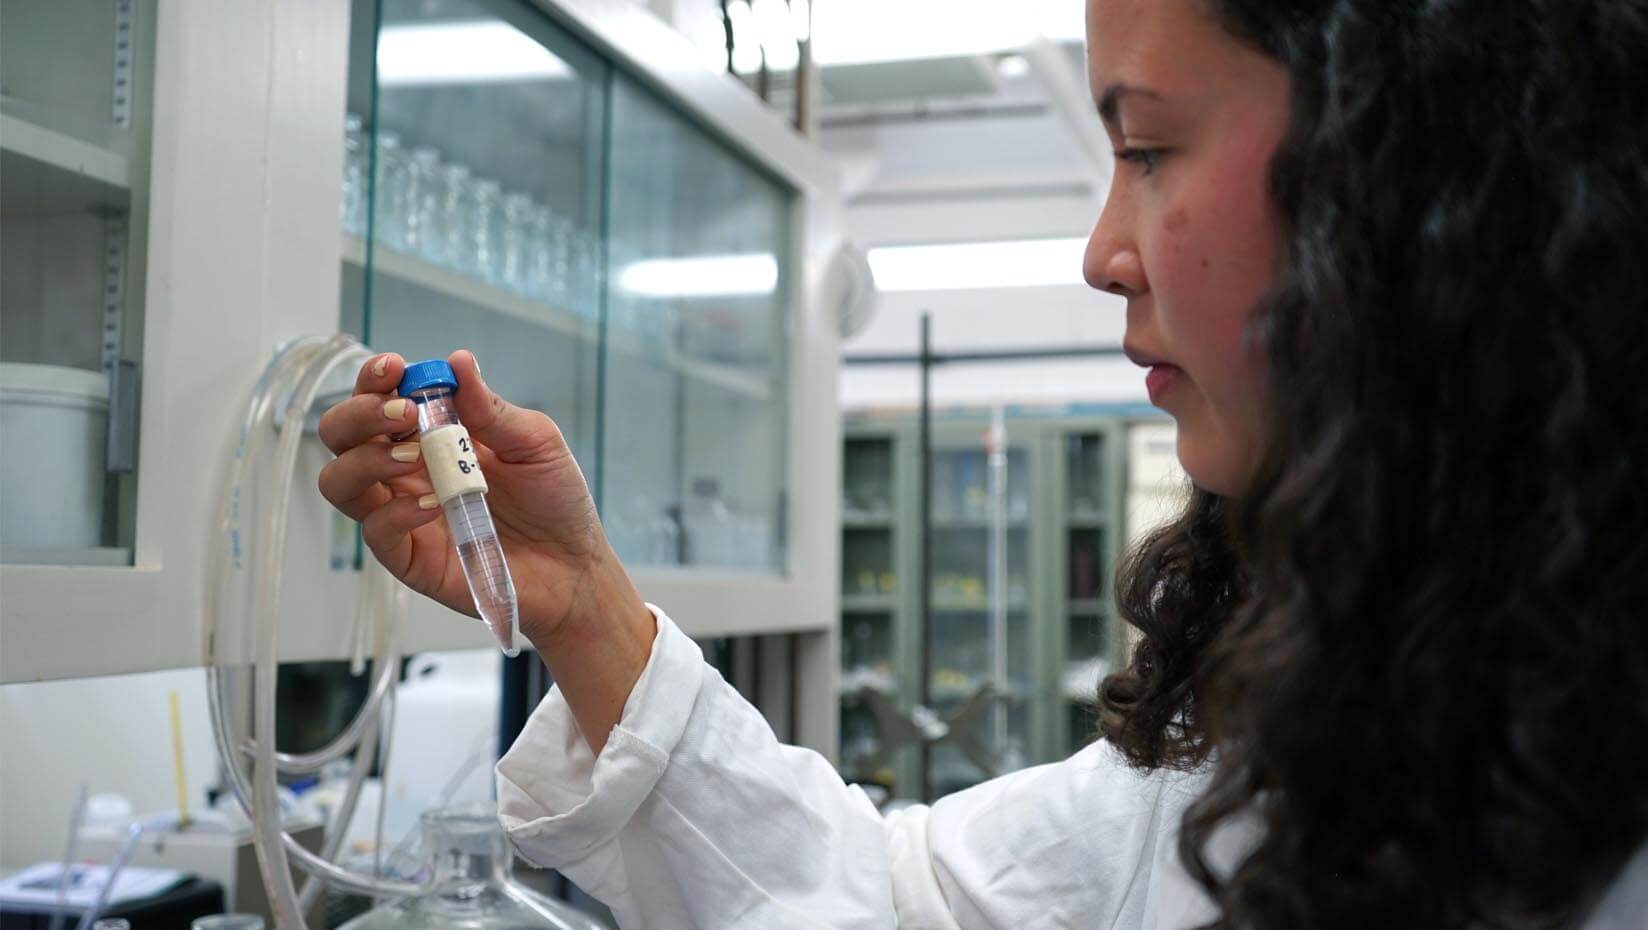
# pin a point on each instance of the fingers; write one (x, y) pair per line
(354, 482)
(513, 433)
(381, 374)
(364, 417)
(387, 531)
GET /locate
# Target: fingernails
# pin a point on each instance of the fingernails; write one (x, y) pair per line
(395, 409)
(428, 502)
(379, 365)
(405, 452)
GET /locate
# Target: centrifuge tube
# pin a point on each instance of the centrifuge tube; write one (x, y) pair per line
(455, 470)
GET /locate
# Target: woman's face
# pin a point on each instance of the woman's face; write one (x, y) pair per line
(1188, 233)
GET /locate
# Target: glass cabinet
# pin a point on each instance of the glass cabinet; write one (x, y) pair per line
(75, 118)
(1062, 506)
(619, 232)
(609, 261)
(471, 207)
(697, 345)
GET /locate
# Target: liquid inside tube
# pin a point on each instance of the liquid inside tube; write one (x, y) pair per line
(483, 560)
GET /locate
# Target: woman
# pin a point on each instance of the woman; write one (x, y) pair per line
(1377, 255)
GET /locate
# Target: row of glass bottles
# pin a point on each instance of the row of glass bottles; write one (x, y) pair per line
(438, 211)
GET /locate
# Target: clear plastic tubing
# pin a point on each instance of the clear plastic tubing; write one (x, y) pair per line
(455, 471)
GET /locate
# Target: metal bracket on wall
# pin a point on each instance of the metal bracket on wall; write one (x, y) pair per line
(114, 284)
(121, 456)
(124, 12)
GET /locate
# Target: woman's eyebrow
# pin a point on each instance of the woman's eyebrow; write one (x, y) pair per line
(1111, 98)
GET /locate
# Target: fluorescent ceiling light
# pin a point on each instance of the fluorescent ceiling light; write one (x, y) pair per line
(1012, 66)
(467, 52)
(702, 276)
(849, 32)
(978, 265)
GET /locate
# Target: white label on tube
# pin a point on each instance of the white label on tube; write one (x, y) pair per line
(453, 467)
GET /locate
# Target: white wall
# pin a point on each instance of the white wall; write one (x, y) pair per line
(112, 734)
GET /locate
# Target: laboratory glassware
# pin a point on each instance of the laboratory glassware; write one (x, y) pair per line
(455, 471)
(583, 274)
(228, 922)
(451, 247)
(485, 229)
(353, 207)
(517, 230)
(473, 887)
(540, 257)
(422, 177)
(391, 191)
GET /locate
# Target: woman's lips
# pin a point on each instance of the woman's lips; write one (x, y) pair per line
(1161, 378)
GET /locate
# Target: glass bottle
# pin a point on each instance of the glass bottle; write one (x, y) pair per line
(473, 887)
(485, 230)
(560, 260)
(451, 248)
(583, 274)
(353, 207)
(391, 191)
(517, 232)
(540, 262)
(422, 177)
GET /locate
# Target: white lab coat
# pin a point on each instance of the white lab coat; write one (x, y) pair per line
(695, 816)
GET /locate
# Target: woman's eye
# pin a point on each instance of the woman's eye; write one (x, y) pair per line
(1146, 157)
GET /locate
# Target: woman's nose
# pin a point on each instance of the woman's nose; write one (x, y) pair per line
(1111, 262)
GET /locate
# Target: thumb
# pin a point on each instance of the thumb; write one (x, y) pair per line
(515, 434)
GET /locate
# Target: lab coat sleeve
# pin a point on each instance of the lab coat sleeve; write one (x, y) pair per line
(695, 816)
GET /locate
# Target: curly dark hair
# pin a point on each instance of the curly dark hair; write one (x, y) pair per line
(1416, 647)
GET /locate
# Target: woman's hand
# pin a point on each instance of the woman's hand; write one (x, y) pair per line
(558, 555)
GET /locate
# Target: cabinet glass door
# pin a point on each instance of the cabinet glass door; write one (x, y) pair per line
(75, 116)
(696, 368)
(964, 522)
(472, 198)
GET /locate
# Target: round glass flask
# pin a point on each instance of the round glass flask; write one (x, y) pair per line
(473, 887)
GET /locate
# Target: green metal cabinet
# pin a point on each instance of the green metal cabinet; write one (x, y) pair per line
(1066, 477)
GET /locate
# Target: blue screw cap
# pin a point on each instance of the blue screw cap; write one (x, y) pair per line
(421, 375)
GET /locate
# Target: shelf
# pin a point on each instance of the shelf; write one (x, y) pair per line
(953, 692)
(980, 524)
(105, 557)
(868, 603)
(1086, 606)
(47, 172)
(973, 605)
(1080, 520)
(853, 681)
(386, 261)
(867, 521)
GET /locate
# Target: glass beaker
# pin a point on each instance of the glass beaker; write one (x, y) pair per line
(473, 887)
